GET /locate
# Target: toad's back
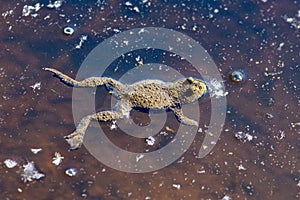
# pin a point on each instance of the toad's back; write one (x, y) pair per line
(151, 94)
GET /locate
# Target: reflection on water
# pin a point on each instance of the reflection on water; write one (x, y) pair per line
(257, 37)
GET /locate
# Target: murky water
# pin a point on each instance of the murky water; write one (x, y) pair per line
(261, 38)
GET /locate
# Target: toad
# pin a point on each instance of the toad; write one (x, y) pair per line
(145, 94)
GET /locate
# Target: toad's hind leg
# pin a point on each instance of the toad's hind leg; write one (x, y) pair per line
(75, 139)
(89, 82)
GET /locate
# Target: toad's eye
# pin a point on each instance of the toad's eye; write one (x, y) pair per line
(194, 89)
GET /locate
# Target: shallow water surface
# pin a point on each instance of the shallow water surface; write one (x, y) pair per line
(257, 154)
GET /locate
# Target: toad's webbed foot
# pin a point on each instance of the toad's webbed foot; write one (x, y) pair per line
(188, 121)
(75, 140)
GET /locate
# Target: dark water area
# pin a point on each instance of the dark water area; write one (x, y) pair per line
(260, 38)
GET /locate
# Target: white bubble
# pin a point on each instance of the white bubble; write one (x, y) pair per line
(68, 30)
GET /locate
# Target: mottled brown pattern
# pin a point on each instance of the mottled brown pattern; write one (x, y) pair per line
(147, 94)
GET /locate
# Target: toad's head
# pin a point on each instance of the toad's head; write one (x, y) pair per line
(190, 89)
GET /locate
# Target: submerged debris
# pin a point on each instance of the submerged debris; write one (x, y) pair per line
(164, 133)
(35, 151)
(55, 4)
(281, 135)
(241, 167)
(244, 137)
(36, 86)
(177, 186)
(226, 197)
(113, 126)
(28, 10)
(293, 21)
(139, 61)
(82, 39)
(132, 7)
(9, 163)
(139, 157)
(150, 140)
(216, 89)
(269, 116)
(30, 173)
(170, 129)
(57, 159)
(294, 124)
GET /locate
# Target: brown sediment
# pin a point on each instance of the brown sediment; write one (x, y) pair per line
(40, 118)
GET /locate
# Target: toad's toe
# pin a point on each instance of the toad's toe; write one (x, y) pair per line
(189, 122)
(74, 140)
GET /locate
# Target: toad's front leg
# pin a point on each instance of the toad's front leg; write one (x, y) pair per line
(182, 118)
